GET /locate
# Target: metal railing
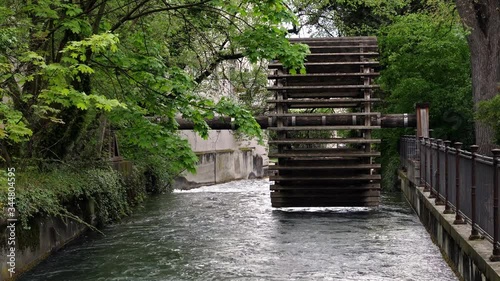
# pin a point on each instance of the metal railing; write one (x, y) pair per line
(466, 182)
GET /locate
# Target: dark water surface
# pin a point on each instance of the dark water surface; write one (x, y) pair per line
(230, 232)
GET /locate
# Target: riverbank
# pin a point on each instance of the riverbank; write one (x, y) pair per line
(53, 206)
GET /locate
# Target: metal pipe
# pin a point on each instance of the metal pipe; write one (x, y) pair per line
(296, 119)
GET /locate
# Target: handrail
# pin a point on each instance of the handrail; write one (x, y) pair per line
(458, 179)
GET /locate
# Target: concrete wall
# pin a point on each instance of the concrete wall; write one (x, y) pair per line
(469, 258)
(45, 236)
(222, 158)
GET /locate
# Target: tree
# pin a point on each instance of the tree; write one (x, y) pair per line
(351, 18)
(70, 70)
(424, 59)
(483, 20)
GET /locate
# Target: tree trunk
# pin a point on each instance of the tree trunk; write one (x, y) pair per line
(483, 19)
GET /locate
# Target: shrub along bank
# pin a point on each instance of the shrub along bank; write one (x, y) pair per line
(59, 190)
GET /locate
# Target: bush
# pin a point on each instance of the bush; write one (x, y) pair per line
(62, 191)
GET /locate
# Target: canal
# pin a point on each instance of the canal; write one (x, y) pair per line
(230, 232)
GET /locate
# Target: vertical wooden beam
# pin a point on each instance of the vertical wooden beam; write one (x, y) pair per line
(422, 120)
(279, 120)
(367, 95)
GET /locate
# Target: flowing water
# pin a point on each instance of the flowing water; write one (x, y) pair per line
(230, 232)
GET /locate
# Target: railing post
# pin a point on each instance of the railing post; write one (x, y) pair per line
(447, 208)
(496, 249)
(474, 233)
(420, 158)
(432, 191)
(458, 217)
(438, 174)
(426, 186)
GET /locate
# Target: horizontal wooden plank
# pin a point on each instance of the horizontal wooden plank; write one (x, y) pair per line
(324, 155)
(319, 199)
(343, 100)
(327, 150)
(323, 128)
(321, 75)
(332, 167)
(318, 161)
(312, 88)
(333, 188)
(346, 194)
(334, 39)
(329, 42)
(288, 197)
(324, 202)
(343, 47)
(279, 205)
(343, 54)
(291, 114)
(329, 140)
(330, 178)
(322, 103)
(349, 93)
(301, 204)
(318, 103)
(320, 156)
(275, 65)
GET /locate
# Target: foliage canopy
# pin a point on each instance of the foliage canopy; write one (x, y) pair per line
(70, 71)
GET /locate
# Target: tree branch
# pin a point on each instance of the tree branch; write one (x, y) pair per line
(215, 63)
(130, 15)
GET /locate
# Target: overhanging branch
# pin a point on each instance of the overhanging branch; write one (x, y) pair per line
(215, 63)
